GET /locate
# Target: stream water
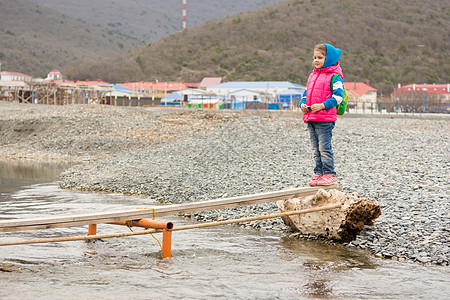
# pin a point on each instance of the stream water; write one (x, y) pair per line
(226, 262)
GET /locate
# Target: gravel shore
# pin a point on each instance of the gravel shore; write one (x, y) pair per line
(183, 155)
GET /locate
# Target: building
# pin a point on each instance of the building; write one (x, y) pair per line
(15, 76)
(54, 75)
(79, 82)
(245, 95)
(209, 81)
(361, 94)
(267, 89)
(183, 95)
(193, 98)
(439, 91)
(290, 99)
(158, 88)
(423, 97)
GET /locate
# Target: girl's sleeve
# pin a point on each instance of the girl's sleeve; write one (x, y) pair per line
(303, 100)
(336, 94)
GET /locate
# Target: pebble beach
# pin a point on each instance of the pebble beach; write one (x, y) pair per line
(178, 155)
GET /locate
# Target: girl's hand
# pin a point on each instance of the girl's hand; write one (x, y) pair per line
(304, 108)
(317, 107)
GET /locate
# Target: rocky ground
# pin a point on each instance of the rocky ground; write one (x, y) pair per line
(182, 155)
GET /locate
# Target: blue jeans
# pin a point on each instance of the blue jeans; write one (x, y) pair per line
(320, 134)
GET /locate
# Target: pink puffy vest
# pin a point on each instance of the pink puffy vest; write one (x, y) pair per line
(318, 90)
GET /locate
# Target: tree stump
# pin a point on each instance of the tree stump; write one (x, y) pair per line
(340, 224)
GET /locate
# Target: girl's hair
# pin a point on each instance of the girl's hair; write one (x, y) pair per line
(322, 49)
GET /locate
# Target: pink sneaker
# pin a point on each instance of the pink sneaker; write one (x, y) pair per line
(314, 179)
(326, 179)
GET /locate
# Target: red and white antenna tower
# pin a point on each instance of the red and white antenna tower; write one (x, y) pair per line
(184, 15)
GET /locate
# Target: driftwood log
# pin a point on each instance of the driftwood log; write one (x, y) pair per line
(341, 224)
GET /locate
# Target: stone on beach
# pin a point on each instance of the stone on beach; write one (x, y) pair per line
(340, 224)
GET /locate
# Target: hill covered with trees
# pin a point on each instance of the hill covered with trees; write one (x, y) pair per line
(37, 36)
(150, 20)
(384, 43)
(35, 39)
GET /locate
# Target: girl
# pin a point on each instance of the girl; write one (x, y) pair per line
(319, 110)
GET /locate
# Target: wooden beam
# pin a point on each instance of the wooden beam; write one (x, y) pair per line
(157, 211)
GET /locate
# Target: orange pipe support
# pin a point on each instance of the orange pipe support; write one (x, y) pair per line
(145, 223)
(167, 243)
(92, 230)
(165, 226)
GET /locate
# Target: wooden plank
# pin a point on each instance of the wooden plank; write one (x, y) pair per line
(159, 211)
(153, 230)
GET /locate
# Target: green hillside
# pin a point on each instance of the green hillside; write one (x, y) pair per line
(150, 20)
(384, 42)
(34, 39)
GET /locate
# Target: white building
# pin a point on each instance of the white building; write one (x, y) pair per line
(54, 75)
(361, 94)
(264, 88)
(15, 76)
(245, 95)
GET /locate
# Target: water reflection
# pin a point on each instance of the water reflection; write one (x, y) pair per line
(323, 261)
(41, 171)
(15, 174)
(326, 254)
